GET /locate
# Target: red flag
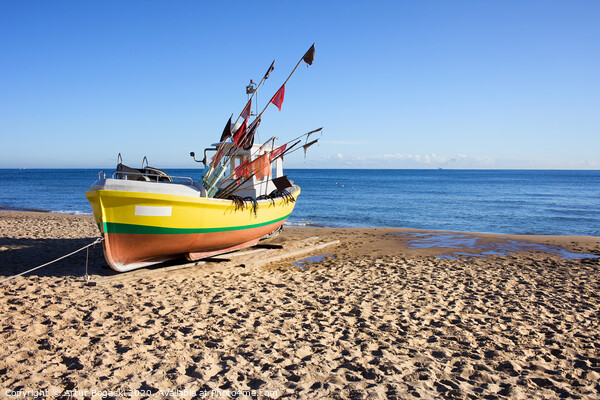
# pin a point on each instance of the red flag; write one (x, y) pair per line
(240, 134)
(278, 98)
(278, 151)
(261, 167)
(246, 112)
(242, 169)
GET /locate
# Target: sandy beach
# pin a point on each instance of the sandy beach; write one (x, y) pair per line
(388, 313)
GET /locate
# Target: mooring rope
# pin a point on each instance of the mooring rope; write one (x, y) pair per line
(53, 261)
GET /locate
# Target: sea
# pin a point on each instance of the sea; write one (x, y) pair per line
(544, 202)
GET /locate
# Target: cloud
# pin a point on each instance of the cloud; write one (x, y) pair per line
(334, 157)
(434, 160)
(424, 158)
(346, 142)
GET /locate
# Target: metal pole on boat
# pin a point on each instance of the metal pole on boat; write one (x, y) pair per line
(256, 90)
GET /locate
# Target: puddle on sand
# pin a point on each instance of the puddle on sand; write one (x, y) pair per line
(447, 257)
(306, 262)
(451, 240)
(481, 247)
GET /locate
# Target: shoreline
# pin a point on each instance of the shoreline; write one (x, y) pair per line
(308, 225)
(34, 210)
(45, 229)
(372, 318)
(17, 209)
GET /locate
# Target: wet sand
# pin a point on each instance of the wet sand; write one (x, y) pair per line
(381, 316)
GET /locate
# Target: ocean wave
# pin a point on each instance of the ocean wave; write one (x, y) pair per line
(287, 223)
(302, 224)
(71, 212)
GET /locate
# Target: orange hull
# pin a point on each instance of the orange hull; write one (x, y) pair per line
(140, 250)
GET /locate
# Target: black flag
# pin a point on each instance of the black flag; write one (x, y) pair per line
(307, 145)
(227, 131)
(248, 141)
(282, 182)
(309, 57)
(271, 68)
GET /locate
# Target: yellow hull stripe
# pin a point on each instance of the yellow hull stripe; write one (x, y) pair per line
(115, 211)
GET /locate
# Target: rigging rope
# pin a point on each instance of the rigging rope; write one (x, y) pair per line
(98, 240)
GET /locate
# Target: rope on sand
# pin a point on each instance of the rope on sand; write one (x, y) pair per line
(98, 240)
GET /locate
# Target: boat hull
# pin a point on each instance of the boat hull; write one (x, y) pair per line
(144, 228)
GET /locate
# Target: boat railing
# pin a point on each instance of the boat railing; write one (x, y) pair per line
(149, 177)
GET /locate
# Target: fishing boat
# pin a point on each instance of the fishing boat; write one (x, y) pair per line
(148, 216)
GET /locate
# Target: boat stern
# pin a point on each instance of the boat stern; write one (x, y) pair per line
(93, 197)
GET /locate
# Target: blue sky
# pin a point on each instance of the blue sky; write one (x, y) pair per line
(395, 84)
